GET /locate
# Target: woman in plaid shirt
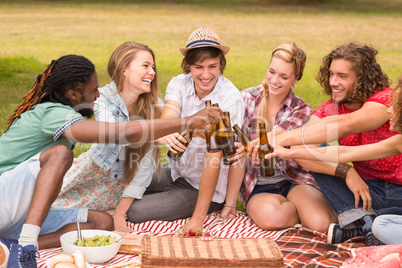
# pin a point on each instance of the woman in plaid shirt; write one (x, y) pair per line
(290, 196)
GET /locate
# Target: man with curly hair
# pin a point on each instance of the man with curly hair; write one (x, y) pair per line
(356, 114)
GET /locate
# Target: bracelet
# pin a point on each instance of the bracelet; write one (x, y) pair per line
(229, 206)
(341, 170)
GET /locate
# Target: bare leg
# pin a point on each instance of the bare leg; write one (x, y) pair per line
(272, 211)
(54, 162)
(96, 220)
(209, 179)
(313, 209)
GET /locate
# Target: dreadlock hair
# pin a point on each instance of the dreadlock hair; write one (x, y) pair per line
(70, 72)
(370, 77)
(200, 54)
(396, 103)
(146, 107)
(290, 54)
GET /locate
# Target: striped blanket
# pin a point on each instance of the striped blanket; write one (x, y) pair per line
(300, 246)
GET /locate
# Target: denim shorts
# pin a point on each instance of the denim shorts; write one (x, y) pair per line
(282, 188)
(16, 190)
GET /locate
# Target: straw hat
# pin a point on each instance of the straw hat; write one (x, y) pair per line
(203, 37)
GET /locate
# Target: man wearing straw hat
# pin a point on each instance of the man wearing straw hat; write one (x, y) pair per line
(187, 186)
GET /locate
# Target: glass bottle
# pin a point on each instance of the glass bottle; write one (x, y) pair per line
(226, 138)
(266, 165)
(245, 140)
(210, 135)
(187, 135)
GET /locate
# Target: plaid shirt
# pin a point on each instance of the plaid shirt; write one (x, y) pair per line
(293, 113)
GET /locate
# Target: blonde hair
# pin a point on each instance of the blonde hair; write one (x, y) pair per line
(146, 107)
(290, 54)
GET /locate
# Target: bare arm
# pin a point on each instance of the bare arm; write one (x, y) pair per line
(137, 131)
(369, 117)
(119, 215)
(171, 109)
(209, 178)
(235, 179)
(343, 154)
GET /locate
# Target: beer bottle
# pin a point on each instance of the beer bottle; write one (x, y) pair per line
(210, 136)
(226, 138)
(245, 140)
(187, 135)
(266, 165)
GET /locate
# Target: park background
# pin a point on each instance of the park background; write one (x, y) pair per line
(32, 33)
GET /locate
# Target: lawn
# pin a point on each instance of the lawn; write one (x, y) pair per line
(32, 33)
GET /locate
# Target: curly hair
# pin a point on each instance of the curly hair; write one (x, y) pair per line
(146, 107)
(70, 72)
(370, 77)
(396, 103)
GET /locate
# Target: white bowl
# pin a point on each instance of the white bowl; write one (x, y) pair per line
(92, 254)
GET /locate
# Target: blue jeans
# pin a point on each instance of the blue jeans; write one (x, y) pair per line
(387, 228)
(165, 200)
(385, 196)
(282, 188)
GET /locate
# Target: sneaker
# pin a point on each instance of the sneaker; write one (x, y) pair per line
(371, 240)
(367, 224)
(337, 235)
(19, 256)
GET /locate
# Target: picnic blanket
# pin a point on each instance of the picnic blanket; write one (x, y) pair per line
(301, 247)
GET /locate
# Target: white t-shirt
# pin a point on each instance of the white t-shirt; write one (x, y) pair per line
(190, 166)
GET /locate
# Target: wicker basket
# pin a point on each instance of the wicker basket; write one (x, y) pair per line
(162, 251)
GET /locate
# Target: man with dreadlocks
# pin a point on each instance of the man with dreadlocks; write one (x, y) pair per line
(355, 115)
(35, 153)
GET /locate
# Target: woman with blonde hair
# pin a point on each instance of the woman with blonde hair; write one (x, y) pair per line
(290, 196)
(112, 176)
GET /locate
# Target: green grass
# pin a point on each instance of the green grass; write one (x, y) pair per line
(32, 33)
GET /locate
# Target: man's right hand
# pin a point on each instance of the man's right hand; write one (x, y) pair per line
(359, 188)
(208, 115)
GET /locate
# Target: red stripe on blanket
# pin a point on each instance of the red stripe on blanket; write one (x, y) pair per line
(300, 246)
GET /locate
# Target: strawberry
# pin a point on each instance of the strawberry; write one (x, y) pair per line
(192, 232)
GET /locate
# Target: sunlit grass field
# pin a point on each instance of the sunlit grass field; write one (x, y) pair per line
(32, 33)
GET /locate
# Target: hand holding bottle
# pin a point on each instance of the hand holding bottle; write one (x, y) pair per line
(240, 152)
(266, 165)
(226, 139)
(279, 151)
(206, 116)
(211, 132)
(184, 138)
(173, 142)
